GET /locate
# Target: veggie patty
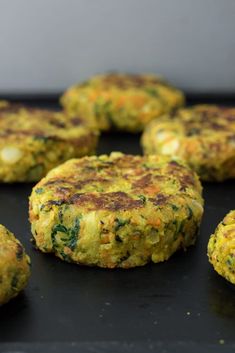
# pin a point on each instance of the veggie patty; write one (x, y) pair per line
(221, 248)
(14, 266)
(116, 211)
(122, 101)
(33, 141)
(203, 135)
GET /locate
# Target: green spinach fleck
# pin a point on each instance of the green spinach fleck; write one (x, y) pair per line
(71, 234)
(120, 223)
(190, 213)
(39, 191)
(142, 198)
(174, 207)
(151, 91)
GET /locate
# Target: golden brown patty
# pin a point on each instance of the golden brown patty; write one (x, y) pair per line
(14, 266)
(203, 135)
(33, 141)
(116, 211)
(122, 101)
(221, 248)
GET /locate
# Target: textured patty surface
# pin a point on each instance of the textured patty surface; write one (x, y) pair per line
(221, 248)
(122, 101)
(203, 135)
(33, 141)
(116, 211)
(14, 266)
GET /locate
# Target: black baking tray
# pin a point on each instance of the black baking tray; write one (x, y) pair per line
(180, 305)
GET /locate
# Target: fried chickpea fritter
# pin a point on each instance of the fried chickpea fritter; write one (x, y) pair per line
(203, 135)
(221, 248)
(122, 101)
(116, 211)
(33, 141)
(14, 266)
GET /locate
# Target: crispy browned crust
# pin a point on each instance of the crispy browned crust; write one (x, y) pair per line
(86, 172)
(53, 122)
